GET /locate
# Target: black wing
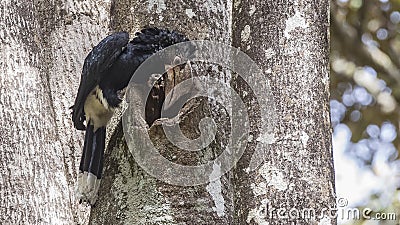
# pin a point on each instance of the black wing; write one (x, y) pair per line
(97, 62)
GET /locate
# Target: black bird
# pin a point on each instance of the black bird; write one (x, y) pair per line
(108, 69)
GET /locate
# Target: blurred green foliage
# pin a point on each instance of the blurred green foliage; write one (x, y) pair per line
(366, 33)
(365, 77)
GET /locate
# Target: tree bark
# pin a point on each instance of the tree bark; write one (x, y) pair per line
(291, 46)
(289, 41)
(43, 45)
(129, 192)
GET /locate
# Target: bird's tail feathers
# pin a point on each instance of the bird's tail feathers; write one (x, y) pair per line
(91, 165)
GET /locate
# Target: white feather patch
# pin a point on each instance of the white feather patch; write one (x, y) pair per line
(100, 97)
(88, 187)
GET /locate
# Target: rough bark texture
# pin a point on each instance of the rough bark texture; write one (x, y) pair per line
(43, 47)
(290, 42)
(137, 197)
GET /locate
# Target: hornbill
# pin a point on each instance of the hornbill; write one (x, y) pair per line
(107, 70)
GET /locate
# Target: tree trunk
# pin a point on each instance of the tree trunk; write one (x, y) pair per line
(128, 191)
(291, 46)
(287, 163)
(289, 41)
(43, 45)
